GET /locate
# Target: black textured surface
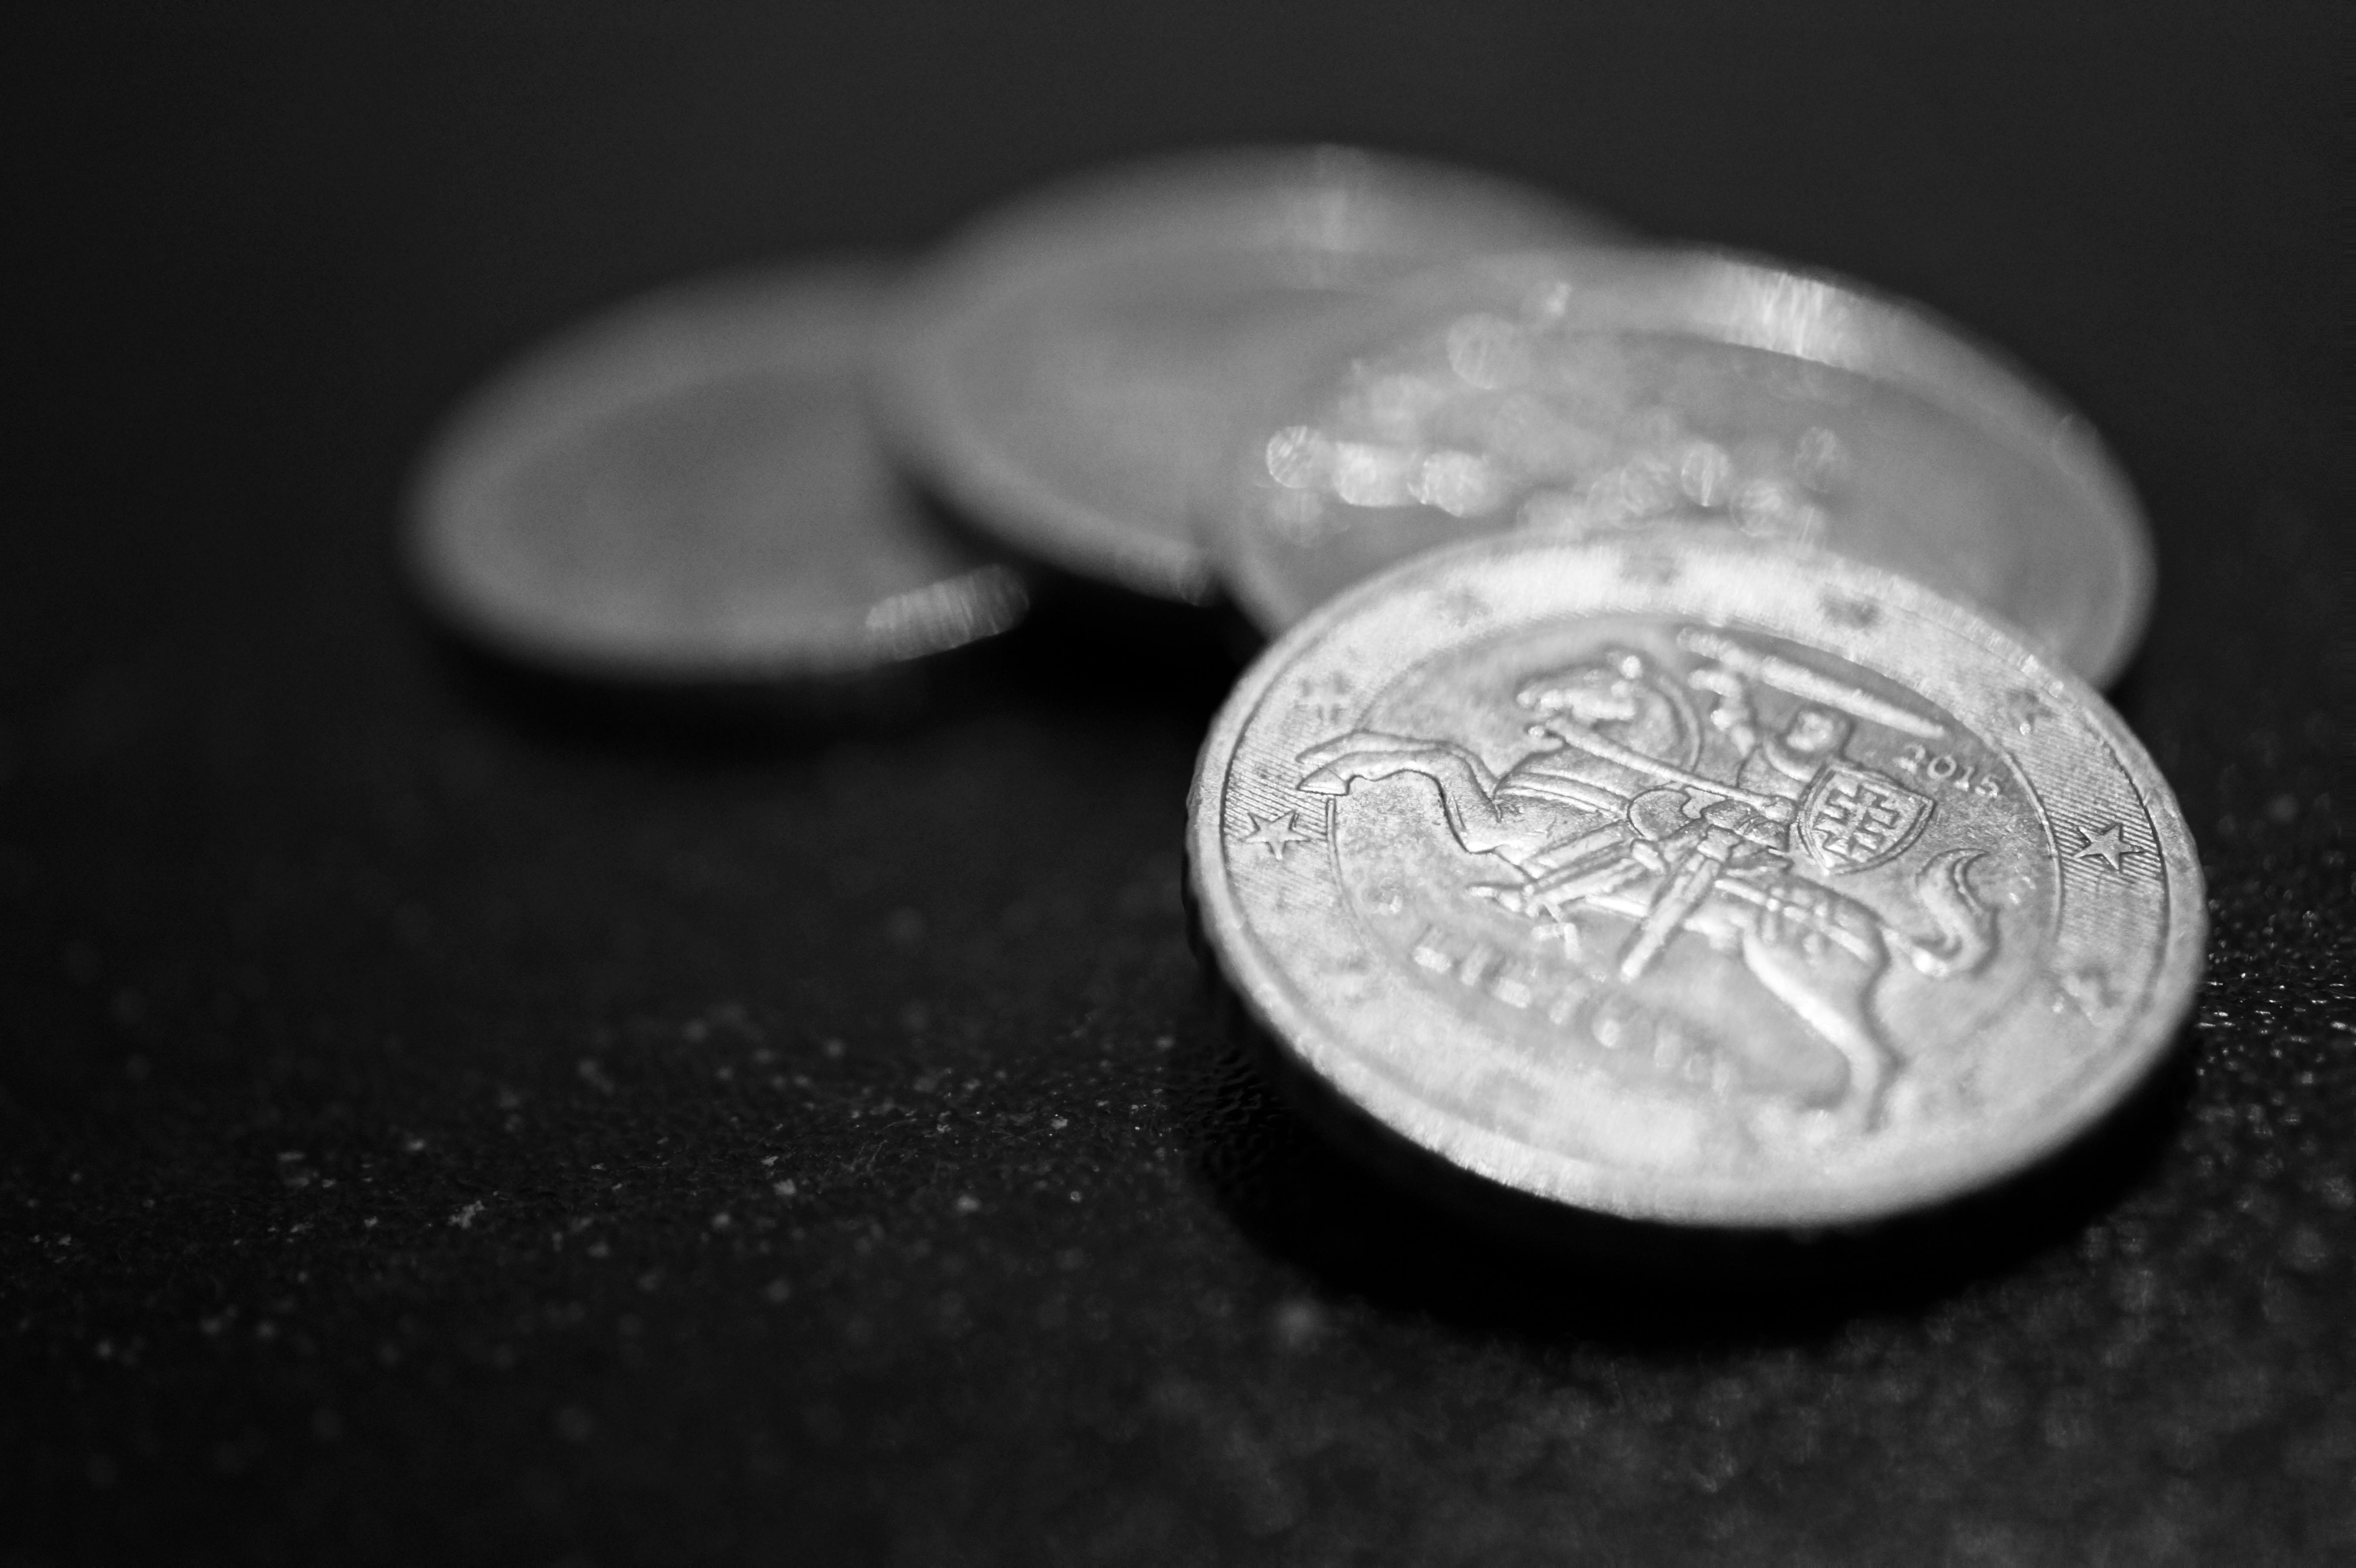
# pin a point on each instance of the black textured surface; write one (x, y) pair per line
(442, 1123)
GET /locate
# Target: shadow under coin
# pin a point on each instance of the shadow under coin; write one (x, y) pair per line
(745, 720)
(1318, 1182)
(1089, 644)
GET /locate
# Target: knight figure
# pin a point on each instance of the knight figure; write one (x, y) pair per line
(1611, 811)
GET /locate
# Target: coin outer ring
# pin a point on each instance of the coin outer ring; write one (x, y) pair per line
(1754, 302)
(814, 320)
(1085, 227)
(1698, 577)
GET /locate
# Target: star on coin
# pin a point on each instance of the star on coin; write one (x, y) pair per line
(1276, 834)
(2104, 847)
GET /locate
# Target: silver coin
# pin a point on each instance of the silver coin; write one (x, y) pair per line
(1070, 371)
(1596, 392)
(1690, 878)
(687, 489)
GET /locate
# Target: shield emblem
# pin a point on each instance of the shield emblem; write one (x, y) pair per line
(1853, 818)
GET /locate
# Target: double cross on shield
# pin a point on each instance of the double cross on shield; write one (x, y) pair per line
(1853, 818)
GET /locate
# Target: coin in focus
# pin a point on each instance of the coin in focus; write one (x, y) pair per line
(687, 490)
(1069, 372)
(1690, 878)
(1597, 392)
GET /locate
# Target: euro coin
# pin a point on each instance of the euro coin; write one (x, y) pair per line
(1068, 373)
(1596, 392)
(688, 490)
(1690, 878)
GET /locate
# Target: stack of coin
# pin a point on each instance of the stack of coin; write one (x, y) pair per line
(1673, 788)
(699, 489)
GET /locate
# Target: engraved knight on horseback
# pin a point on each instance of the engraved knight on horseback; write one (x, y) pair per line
(1611, 811)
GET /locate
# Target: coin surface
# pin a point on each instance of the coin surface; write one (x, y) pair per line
(1069, 373)
(687, 489)
(1595, 391)
(1684, 878)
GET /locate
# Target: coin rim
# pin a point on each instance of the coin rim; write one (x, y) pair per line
(1254, 974)
(1899, 343)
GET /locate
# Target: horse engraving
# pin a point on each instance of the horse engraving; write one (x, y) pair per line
(1612, 811)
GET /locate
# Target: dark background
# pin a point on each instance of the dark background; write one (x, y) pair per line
(439, 1122)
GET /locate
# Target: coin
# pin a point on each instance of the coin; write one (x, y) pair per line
(1686, 877)
(687, 490)
(1595, 391)
(1069, 372)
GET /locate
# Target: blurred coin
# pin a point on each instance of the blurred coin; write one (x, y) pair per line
(1685, 877)
(1594, 391)
(688, 490)
(1069, 372)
